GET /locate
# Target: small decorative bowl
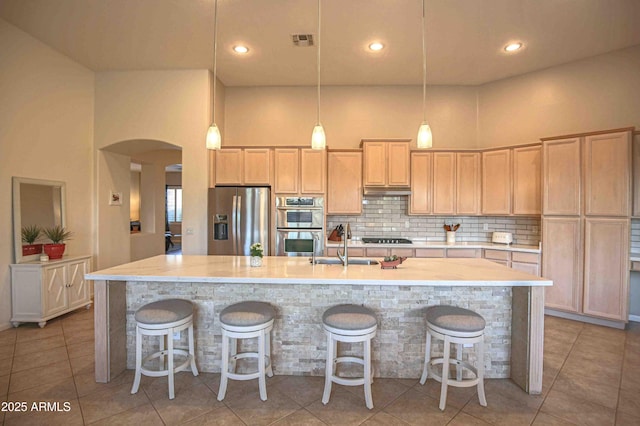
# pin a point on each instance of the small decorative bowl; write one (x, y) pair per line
(392, 264)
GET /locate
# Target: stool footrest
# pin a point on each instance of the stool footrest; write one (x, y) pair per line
(353, 359)
(161, 373)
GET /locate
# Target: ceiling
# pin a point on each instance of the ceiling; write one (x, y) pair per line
(464, 37)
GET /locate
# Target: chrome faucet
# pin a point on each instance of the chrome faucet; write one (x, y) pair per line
(344, 257)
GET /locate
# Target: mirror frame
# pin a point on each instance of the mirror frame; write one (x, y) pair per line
(17, 213)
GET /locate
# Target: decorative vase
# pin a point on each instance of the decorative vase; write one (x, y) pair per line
(255, 261)
(451, 237)
(30, 249)
(54, 251)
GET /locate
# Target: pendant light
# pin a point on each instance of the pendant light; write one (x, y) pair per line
(214, 139)
(318, 139)
(425, 139)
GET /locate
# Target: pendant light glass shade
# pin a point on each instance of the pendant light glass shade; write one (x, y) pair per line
(318, 140)
(425, 139)
(214, 140)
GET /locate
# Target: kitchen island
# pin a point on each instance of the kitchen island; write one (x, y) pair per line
(512, 302)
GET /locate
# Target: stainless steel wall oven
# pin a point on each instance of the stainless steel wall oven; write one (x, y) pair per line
(299, 226)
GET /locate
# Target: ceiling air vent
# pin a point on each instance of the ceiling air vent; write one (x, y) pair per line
(302, 40)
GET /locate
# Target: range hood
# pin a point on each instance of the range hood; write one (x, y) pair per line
(386, 190)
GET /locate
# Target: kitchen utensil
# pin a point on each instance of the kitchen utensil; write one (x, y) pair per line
(455, 228)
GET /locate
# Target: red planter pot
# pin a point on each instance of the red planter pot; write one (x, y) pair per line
(54, 251)
(31, 249)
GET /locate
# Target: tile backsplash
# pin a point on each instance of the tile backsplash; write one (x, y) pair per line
(386, 216)
(635, 235)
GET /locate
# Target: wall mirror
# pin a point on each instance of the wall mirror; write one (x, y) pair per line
(36, 202)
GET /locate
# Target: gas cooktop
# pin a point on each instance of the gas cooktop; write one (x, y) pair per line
(386, 241)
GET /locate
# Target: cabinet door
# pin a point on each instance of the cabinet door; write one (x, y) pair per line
(54, 291)
(496, 182)
(229, 164)
(607, 174)
(561, 177)
(468, 183)
(375, 163)
(287, 170)
(398, 164)
(313, 171)
(444, 182)
(606, 272)
(421, 183)
(257, 166)
(344, 188)
(529, 268)
(562, 262)
(78, 288)
(527, 180)
(636, 175)
(463, 253)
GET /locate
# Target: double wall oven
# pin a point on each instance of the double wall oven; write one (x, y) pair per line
(299, 226)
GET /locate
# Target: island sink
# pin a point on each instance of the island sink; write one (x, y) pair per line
(336, 261)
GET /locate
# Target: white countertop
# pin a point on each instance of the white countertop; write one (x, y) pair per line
(290, 270)
(440, 244)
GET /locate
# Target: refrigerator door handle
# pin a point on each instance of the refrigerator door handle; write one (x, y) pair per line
(234, 223)
(239, 225)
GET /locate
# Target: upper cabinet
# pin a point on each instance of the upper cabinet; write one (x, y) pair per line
(496, 182)
(241, 166)
(344, 186)
(456, 183)
(636, 174)
(607, 174)
(421, 199)
(386, 163)
(300, 171)
(562, 176)
(527, 178)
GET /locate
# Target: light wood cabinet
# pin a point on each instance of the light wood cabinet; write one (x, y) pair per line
(607, 174)
(300, 171)
(463, 252)
(562, 262)
(444, 182)
(562, 177)
(468, 183)
(606, 272)
(386, 163)
(421, 183)
(636, 175)
(527, 180)
(344, 182)
(287, 170)
(585, 227)
(238, 166)
(521, 261)
(313, 171)
(496, 182)
(41, 291)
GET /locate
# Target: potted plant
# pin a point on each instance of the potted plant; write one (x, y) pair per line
(257, 251)
(58, 235)
(29, 236)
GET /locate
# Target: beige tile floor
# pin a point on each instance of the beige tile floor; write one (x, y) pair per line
(591, 377)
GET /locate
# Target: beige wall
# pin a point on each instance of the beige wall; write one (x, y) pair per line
(286, 115)
(168, 106)
(594, 94)
(46, 131)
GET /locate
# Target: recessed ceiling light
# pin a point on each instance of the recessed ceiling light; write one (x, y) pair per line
(240, 49)
(376, 46)
(512, 47)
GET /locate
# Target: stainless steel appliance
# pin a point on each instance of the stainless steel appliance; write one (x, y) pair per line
(238, 217)
(381, 240)
(299, 226)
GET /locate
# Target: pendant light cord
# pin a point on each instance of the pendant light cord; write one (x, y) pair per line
(215, 48)
(318, 98)
(424, 68)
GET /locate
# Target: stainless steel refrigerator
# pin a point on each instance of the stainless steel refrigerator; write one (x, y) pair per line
(238, 217)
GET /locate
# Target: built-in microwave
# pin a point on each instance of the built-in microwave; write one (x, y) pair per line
(300, 212)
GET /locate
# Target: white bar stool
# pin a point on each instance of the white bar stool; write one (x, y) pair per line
(349, 323)
(164, 318)
(460, 326)
(246, 320)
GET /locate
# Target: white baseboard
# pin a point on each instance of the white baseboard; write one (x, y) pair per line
(634, 318)
(5, 326)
